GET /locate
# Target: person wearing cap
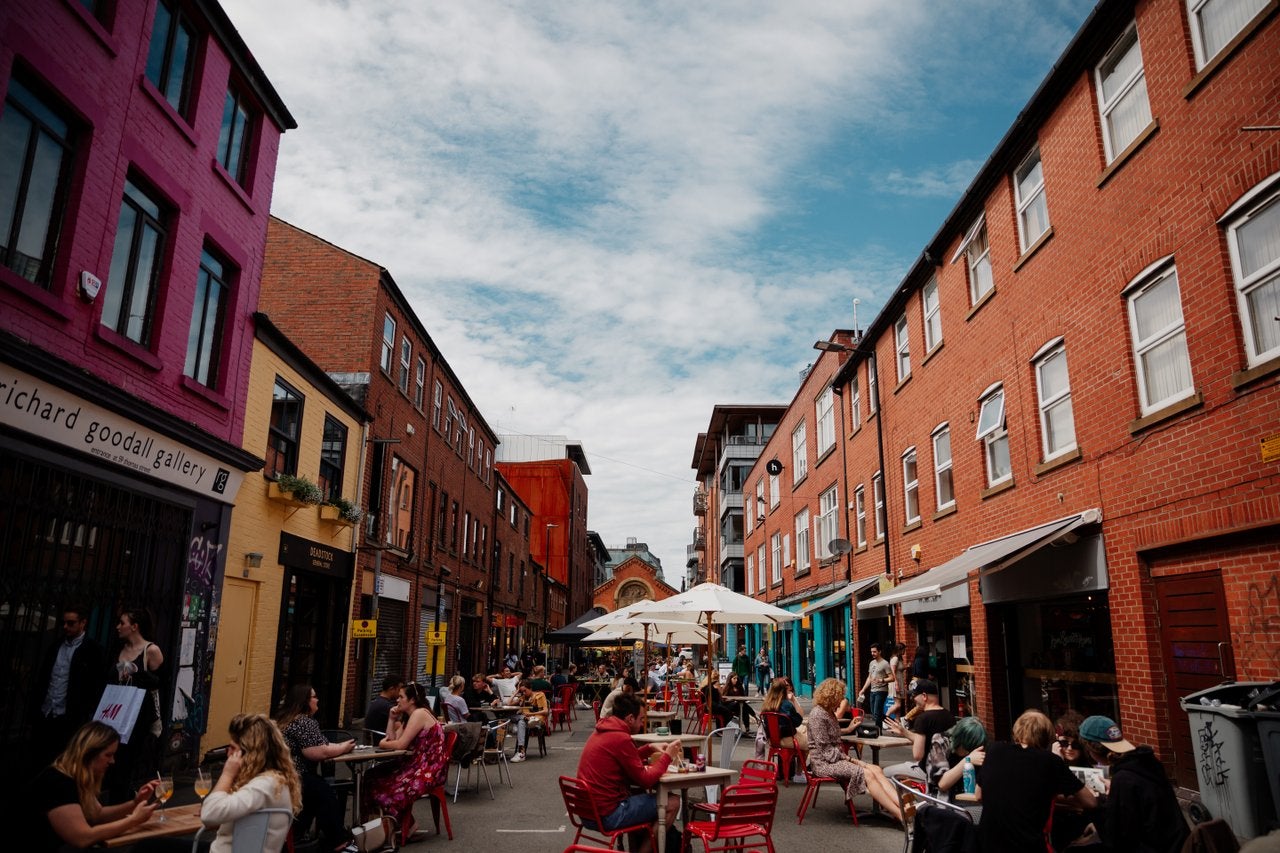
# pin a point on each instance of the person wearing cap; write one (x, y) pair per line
(1140, 812)
(931, 719)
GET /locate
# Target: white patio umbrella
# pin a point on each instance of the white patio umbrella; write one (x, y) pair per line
(676, 632)
(713, 604)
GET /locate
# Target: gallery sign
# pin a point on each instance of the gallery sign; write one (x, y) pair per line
(41, 408)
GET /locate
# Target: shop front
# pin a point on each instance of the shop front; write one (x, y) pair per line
(829, 619)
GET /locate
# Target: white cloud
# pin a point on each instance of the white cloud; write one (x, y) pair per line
(946, 181)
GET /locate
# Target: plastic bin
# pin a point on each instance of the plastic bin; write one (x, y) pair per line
(1230, 766)
(1265, 709)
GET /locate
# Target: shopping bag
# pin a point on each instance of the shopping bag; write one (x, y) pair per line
(119, 708)
(372, 836)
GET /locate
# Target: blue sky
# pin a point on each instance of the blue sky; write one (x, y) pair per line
(612, 216)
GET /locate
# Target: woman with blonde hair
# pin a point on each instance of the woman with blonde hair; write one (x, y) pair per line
(791, 728)
(259, 774)
(64, 797)
(827, 759)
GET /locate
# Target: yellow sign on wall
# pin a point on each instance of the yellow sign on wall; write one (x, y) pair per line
(1271, 448)
(435, 635)
(364, 629)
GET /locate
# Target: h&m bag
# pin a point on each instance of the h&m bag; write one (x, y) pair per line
(373, 835)
(119, 708)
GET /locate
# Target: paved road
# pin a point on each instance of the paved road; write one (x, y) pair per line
(530, 816)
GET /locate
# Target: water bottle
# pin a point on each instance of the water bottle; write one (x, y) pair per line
(970, 777)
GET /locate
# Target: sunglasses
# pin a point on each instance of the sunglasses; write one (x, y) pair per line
(1068, 743)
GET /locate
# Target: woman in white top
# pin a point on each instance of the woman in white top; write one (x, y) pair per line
(259, 774)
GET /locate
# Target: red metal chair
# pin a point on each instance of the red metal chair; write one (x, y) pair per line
(689, 698)
(562, 708)
(595, 709)
(812, 783)
(586, 819)
(439, 796)
(755, 773)
(787, 754)
(745, 814)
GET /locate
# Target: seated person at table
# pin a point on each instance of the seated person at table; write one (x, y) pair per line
(558, 678)
(533, 714)
(454, 705)
(628, 687)
(395, 786)
(504, 683)
(1140, 812)
(779, 699)
(827, 759)
(945, 762)
(479, 694)
(258, 774)
(1071, 825)
(720, 712)
(375, 718)
(63, 810)
(309, 747)
(931, 719)
(1017, 785)
(735, 686)
(612, 765)
(539, 680)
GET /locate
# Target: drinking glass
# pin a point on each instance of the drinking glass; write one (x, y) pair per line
(163, 792)
(203, 783)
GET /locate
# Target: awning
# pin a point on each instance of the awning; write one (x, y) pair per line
(573, 632)
(839, 595)
(990, 556)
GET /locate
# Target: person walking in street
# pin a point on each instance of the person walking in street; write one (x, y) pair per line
(742, 665)
(70, 680)
(138, 665)
(763, 670)
(879, 674)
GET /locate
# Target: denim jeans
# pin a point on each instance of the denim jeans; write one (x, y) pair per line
(879, 700)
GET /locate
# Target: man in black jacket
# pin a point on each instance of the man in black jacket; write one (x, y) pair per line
(1139, 811)
(68, 685)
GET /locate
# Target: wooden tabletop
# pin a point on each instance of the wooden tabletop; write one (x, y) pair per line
(368, 755)
(710, 776)
(884, 741)
(179, 820)
(655, 738)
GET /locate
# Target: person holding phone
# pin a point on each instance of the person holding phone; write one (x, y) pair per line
(309, 747)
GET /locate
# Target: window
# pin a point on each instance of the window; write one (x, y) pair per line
(1122, 94)
(828, 523)
(992, 434)
(1053, 388)
(471, 447)
(978, 258)
(860, 514)
(501, 497)
(399, 532)
(802, 540)
(825, 416)
(453, 526)
(799, 453)
(760, 567)
(1159, 341)
(437, 397)
(235, 136)
(406, 358)
(333, 457)
(910, 486)
(419, 383)
(388, 343)
(855, 404)
(873, 385)
(129, 306)
(775, 557)
(450, 412)
(902, 345)
(488, 463)
(1254, 239)
(943, 488)
(466, 537)
(750, 513)
(786, 549)
(877, 490)
(36, 148)
(931, 308)
(171, 55)
(282, 432)
(1028, 192)
(204, 338)
(751, 574)
(1214, 23)
(760, 500)
(774, 495)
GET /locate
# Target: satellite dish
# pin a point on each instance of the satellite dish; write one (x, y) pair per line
(839, 547)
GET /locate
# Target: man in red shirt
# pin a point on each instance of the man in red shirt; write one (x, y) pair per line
(611, 764)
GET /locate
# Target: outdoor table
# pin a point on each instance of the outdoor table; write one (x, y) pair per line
(597, 689)
(656, 719)
(686, 741)
(179, 820)
(876, 744)
(742, 706)
(683, 782)
(499, 711)
(358, 761)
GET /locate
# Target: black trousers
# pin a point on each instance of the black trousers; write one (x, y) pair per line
(320, 804)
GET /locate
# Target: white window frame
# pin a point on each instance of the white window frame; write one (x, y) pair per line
(931, 314)
(760, 500)
(873, 384)
(799, 452)
(1034, 201)
(751, 574)
(420, 383)
(910, 485)
(1243, 14)
(902, 347)
(774, 491)
(775, 557)
(406, 363)
(977, 256)
(877, 494)
(437, 403)
(786, 550)
(855, 404)
(860, 515)
(993, 435)
(1159, 275)
(1263, 201)
(803, 558)
(761, 568)
(1128, 86)
(749, 510)
(1054, 400)
(942, 466)
(826, 525)
(388, 343)
(825, 417)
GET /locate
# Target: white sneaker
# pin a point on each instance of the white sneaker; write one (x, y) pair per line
(519, 756)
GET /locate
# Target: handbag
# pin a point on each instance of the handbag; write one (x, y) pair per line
(867, 729)
(371, 835)
(119, 708)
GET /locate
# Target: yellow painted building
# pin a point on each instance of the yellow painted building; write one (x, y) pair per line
(286, 600)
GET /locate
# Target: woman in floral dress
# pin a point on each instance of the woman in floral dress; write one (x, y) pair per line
(394, 787)
(827, 759)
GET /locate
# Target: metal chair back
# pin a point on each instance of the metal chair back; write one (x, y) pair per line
(911, 798)
(249, 833)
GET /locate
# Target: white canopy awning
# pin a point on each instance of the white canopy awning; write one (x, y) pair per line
(839, 595)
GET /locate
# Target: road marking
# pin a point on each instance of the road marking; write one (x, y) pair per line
(552, 831)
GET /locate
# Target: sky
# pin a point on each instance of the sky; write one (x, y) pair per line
(612, 216)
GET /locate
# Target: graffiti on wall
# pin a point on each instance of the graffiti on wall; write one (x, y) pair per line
(1262, 629)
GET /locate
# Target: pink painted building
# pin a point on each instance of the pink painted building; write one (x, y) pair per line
(138, 146)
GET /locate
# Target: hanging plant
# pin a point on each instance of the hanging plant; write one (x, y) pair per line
(301, 488)
(349, 510)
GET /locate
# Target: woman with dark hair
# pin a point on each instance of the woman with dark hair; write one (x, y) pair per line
(138, 664)
(395, 786)
(63, 798)
(308, 747)
(736, 686)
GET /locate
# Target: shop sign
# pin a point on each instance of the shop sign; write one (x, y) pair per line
(435, 635)
(364, 629)
(41, 408)
(514, 621)
(308, 555)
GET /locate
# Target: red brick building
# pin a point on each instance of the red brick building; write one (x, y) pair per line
(1075, 389)
(518, 586)
(429, 474)
(139, 145)
(633, 580)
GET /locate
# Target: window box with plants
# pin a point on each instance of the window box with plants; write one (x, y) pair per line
(341, 511)
(294, 491)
